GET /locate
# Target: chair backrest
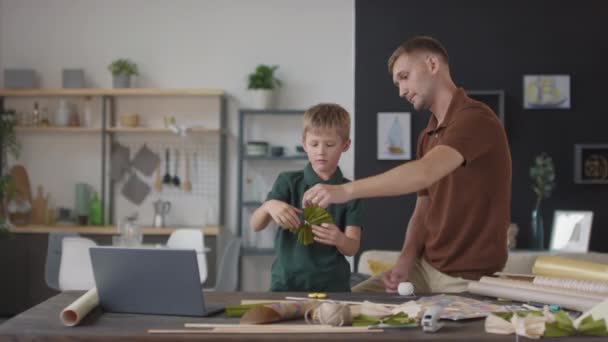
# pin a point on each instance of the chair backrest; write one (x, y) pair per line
(75, 270)
(191, 239)
(53, 258)
(228, 273)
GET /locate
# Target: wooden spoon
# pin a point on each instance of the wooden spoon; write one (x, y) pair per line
(158, 182)
(187, 186)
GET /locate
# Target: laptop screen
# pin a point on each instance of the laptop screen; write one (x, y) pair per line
(148, 280)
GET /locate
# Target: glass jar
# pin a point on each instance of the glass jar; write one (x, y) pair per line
(131, 232)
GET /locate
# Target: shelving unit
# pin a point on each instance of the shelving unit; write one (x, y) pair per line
(248, 204)
(109, 128)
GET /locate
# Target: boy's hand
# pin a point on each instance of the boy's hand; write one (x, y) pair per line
(328, 234)
(322, 195)
(283, 214)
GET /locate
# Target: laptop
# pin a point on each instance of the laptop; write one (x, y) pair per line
(149, 281)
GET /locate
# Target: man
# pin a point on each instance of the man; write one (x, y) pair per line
(462, 177)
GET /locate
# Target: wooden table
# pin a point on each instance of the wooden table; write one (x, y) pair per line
(42, 323)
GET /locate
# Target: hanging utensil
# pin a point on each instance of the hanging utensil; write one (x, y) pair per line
(187, 186)
(167, 177)
(176, 181)
(158, 183)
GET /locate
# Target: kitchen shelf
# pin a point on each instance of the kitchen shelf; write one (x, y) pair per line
(159, 130)
(112, 92)
(244, 159)
(109, 97)
(102, 230)
(27, 129)
(295, 157)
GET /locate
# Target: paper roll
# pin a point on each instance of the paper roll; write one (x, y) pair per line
(571, 302)
(531, 286)
(554, 266)
(75, 312)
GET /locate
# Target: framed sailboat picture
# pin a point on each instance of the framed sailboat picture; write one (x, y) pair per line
(394, 136)
(546, 91)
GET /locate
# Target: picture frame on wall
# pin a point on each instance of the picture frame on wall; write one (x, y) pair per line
(545, 91)
(571, 231)
(394, 136)
(591, 163)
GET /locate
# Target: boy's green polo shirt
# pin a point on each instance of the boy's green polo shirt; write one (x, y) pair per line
(315, 267)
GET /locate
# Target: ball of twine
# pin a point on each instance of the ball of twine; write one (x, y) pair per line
(329, 313)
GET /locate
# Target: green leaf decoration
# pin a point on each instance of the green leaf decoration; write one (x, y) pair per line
(312, 216)
(397, 319)
(561, 327)
(240, 310)
(591, 327)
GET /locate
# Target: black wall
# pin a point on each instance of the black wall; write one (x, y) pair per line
(491, 44)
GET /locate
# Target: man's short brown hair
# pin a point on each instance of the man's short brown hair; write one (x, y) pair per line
(415, 44)
(327, 115)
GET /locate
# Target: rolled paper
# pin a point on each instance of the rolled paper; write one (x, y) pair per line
(574, 284)
(531, 286)
(75, 312)
(572, 302)
(554, 266)
(276, 312)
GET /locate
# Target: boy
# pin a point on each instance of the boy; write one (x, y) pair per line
(320, 266)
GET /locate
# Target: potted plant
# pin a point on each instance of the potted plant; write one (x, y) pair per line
(122, 69)
(8, 145)
(542, 173)
(262, 86)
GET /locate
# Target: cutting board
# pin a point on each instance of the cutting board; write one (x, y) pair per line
(21, 182)
(23, 193)
(39, 206)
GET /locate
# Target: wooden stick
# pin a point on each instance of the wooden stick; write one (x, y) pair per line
(227, 325)
(339, 301)
(308, 330)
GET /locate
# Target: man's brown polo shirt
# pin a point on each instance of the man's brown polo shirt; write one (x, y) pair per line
(470, 209)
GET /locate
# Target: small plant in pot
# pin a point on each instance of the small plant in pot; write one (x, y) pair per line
(262, 86)
(122, 69)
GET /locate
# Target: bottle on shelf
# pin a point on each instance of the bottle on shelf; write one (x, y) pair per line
(95, 218)
(87, 113)
(36, 115)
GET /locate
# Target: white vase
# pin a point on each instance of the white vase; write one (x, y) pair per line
(262, 98)
(62, 116)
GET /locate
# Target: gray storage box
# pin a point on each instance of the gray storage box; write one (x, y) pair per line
(19, 78)
(73, 78)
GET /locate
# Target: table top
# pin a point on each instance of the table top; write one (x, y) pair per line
(42, 323)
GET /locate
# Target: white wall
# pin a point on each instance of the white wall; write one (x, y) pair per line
(186, 44)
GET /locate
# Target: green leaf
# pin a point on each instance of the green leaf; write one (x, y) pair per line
(591, 327)
(561, 327)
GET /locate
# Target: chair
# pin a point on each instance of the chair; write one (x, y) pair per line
(191, 239)
(53, 258)
(228, 272)
(76, 270)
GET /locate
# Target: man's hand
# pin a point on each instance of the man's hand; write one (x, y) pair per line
(328, 234)
(283, 214)
(397, 274)
(322, 195)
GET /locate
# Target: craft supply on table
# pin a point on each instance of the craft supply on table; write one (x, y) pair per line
(554, 266)
(590, 286)
(458, 307)
(318, 295)
(77, 310)
(276, 312)
(531, 286)
(327, 313)
(405, 289)
(572, 302)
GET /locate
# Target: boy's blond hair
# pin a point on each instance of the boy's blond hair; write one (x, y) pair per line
(327, 115)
